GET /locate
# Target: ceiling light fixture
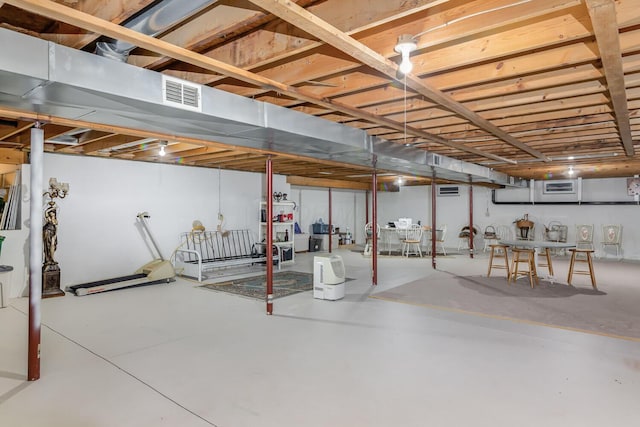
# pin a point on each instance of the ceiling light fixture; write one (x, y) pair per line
(406, 44)
(570, 171)
(163, 144)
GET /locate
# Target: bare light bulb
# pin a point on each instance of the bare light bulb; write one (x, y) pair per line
(162, 151)
(570, 172)
(406, 65)
(406, 45)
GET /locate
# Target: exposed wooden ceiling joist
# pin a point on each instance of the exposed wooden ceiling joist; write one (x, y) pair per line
(603, 16)
(303, 19)
(326, 183)
(540, 71)
(83, 20)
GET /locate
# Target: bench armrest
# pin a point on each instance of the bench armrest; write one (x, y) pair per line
(199, 258)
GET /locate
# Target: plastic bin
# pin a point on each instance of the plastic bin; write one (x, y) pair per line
(319, 228)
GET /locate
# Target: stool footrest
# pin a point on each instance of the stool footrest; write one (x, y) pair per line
(504, 254)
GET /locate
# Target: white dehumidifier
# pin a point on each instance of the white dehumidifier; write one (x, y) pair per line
(328, 277)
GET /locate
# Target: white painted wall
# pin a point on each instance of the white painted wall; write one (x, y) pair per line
(348, 209)
(409, 202)
(99, 236)
(415, 202)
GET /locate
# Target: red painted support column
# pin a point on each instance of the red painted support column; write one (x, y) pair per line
(374, 228)
(470, 218)
(330, 221)
(433, 220)
(35, 252)
(269, 243)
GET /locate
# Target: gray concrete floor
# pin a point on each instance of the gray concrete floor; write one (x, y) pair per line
(177, 355)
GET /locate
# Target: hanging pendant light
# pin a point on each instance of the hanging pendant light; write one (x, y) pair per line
(406, 45)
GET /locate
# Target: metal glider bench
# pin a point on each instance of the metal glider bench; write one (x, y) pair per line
(200, 251)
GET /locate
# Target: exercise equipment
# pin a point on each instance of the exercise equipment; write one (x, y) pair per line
(157, 271)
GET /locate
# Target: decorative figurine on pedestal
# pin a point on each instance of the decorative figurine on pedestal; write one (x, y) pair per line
(50, 268)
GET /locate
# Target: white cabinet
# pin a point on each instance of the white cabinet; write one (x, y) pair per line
(283, 229)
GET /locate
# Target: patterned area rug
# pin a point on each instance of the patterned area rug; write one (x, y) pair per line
(285, 283)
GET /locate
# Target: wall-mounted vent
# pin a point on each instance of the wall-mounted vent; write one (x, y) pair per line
(448, 190)
(436, 160)
(558, 187)
(181, 94)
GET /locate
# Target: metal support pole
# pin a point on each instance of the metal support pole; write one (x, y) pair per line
(374, 228)
(35, 251)
(269, 247)
(470, 217)
(330, 222)
(433, 220)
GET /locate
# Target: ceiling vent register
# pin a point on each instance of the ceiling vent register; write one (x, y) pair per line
(181, 94)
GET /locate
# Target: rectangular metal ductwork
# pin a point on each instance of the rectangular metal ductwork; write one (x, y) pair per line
(36, 75)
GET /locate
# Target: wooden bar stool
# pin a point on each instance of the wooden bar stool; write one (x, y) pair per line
(497, 247)
(588, 259)
(526, 257)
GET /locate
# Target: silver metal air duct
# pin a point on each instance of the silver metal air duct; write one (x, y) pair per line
(152, 22)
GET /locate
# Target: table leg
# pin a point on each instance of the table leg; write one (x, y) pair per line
(544, 252)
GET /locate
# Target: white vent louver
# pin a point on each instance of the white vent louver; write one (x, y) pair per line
(181, 94)
(448, 190)
(436, 159)
(558, 187)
